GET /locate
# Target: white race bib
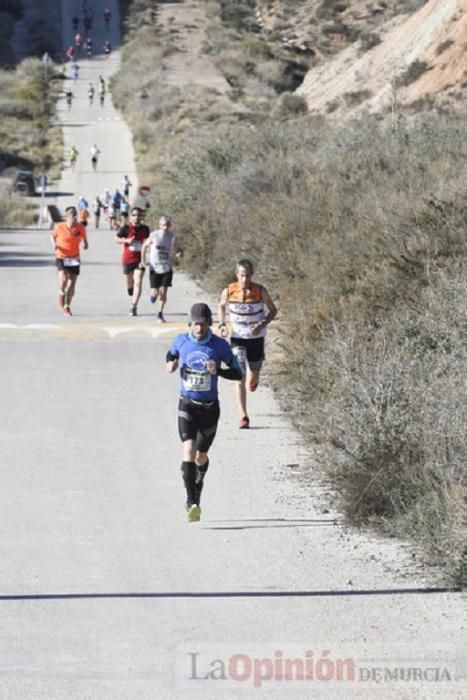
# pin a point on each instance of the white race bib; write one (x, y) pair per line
(70, 262)
(196, 381)
(135, 246)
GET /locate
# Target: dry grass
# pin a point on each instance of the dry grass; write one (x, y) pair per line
(360, 231)
(14, 209)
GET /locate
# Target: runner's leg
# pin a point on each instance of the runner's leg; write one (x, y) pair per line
(70, 288)
(129, 283)
(189, 472)
(240, 389)
(162, 299)
(154, 292)
(61, 288)
(138, 283)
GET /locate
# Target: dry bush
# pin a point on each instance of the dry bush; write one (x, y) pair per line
(368, 40)
(359, 230)
(412, 73)
(367, 228)
(289, 104)
(396, 413)
(352, 99)
(28, 137)
(15, 211)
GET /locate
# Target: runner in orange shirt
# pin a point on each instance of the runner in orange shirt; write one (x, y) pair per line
(251, 310)
(83, 216)
(66, 239)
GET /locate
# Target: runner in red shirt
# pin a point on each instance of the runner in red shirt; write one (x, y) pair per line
(132, 237)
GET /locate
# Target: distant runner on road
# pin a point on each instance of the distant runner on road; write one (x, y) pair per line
(97, 206)
(251, 309)
(199, 354)
(69, 98)
(162, 245)
(95, 152)
(102, 94)
(66, 238)
(126, 184)
(132, 237)
(74, 72)
(73, 155)
(107, 17)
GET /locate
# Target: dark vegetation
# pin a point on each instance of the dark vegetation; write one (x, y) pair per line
(29, 140)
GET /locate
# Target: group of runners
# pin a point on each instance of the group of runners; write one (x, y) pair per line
(235, 353)
(200, 356)
(82, 39)
(94, 152)
(141, 248)
(115, 206)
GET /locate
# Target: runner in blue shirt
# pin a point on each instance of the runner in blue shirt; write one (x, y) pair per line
(199, 354)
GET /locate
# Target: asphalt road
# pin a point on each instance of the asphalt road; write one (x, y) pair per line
(105, 590)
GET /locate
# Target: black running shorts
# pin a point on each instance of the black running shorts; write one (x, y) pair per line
(71, 269)
(160, 279)
(130, 267)
(198, 421)
(254, 350)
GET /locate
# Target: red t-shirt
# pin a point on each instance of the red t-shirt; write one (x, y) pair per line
(132, 251)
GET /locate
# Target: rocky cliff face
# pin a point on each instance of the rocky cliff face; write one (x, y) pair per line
(369, 58)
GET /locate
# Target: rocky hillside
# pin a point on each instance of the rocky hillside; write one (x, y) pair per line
(371, 54)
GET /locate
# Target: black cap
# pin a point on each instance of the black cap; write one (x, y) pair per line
(200, 313)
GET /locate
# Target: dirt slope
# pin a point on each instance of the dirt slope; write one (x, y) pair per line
(435, 36)
(187, 65)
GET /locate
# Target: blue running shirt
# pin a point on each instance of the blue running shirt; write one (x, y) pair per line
(196, 382)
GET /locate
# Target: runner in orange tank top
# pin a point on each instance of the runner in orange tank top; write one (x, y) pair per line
(66, 238)
(250, 309)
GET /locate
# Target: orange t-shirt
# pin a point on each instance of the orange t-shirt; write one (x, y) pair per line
(67, 241)
(83, 216)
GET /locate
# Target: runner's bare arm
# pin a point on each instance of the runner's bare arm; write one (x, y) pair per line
(178, 250)
(146, 245)
(221, 309)
(270, 316)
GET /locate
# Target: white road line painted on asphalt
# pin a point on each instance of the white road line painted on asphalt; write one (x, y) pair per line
(29, 326)
(92, 329)
(154, 332)
(122, 329)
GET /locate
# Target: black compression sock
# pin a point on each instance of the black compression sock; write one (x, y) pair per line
(130, 291)
(200, 474)
(189, 479)
(202, 469)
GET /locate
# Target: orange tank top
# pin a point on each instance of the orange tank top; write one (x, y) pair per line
(246, 309)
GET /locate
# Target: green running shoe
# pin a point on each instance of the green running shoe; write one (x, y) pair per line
(194, 513)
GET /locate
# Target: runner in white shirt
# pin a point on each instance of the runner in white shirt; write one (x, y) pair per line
(163, 246)
(95, 152)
